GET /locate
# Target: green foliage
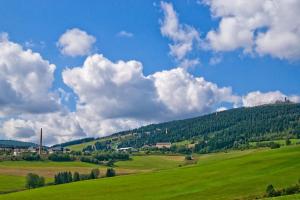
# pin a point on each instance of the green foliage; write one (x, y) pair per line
(63, 177)
(288, 142)
(188, 157)
(224, 130)
(59, 157)
(34, 181)
(271, 192)
(94, 173)
(31, 157)
(76, 177)
(110, 172)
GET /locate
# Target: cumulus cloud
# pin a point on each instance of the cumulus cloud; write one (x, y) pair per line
(257, 98)
(117, 95)
(57, 127)
(183, 36)
(76, 42)
(25, 81)
(182, 93)
(267, 27)
(125, 34)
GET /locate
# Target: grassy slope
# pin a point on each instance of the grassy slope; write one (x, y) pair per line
(11, 183)
(151, 162)
(12, 173)
(281, 142)
(233, 175)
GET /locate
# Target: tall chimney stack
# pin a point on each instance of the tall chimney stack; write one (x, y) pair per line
(41, 142)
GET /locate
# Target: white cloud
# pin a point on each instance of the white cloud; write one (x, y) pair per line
(76, 42)
(25, 81)
(267, 27)
(57, 127)
(221, 109)
(182, 35)
(124, 33)
(257, 98)
(183, 93)
(117, 95)
(215, 60)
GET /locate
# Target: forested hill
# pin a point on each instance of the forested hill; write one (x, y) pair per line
(233, 128)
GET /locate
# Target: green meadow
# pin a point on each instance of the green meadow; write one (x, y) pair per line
(232, 175)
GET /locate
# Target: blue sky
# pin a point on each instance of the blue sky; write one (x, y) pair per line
(264, 68)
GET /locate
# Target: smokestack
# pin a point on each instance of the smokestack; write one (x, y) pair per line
(41, 142)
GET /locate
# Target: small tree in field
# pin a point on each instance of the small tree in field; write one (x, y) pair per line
(76, 176)
(34, 181)
(94, 173)
(110, 172)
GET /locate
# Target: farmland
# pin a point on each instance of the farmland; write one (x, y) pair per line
(232, 175)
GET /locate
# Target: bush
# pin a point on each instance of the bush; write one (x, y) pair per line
(76, 177)
(31, 157)
(84, 176)
(271, 192)
(63, 177)
(188, 157)
(34, 181)
(291, 190)
(94, 173)
(59, 157)
(110, 172)
(288, 142)
(274, 145)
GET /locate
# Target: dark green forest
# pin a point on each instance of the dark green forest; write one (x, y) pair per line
(233, 128)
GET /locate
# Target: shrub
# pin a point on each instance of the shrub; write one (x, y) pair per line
(271, 192)
(76, 176)
(288, 142)
(84, 176)
(34, 181)
(274, 145)
(58, 157)
(63, 177)
(94, 173)
(31, 157)
(110, 172)
(188, 157)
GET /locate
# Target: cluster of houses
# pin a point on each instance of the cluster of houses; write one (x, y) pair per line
(34, 149)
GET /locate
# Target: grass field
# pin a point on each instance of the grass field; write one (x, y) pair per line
(152, 162)
(79, 147)
(281, 142)
(11, 183)
(233, 175)
(14, 172)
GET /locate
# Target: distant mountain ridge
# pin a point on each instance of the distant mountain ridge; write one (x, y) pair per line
(16, 144)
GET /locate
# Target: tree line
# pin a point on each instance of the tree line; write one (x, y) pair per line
(34, 180)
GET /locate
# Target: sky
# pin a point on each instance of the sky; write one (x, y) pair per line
(89, 69)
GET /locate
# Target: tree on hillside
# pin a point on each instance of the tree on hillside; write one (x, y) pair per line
(34, 181)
